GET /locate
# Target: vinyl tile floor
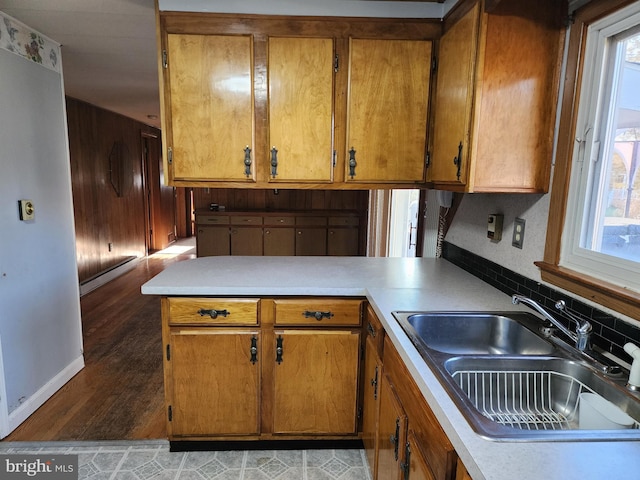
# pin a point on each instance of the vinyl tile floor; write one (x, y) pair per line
(143, 460)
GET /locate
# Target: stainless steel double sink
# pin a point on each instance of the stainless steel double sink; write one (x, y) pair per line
(511, 383)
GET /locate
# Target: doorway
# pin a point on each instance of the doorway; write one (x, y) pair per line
(396, 223)
(160, 200)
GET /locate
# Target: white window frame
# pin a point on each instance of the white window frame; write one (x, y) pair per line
(590, 144)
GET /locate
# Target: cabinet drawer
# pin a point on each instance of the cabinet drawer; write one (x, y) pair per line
(318, 312)
(213, 311)
(344, 221)
(374, 330)
(212, 220)
(311, 221)
(277, 221)
(246, 220)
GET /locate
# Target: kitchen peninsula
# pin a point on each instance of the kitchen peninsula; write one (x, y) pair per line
(390, 284)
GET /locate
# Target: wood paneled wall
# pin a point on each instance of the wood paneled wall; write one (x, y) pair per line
(289, 200)
(102, 217)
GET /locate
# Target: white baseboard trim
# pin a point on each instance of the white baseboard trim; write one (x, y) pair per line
(36, 400)
(108, 276)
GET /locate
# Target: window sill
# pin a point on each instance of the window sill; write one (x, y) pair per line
(606, 294)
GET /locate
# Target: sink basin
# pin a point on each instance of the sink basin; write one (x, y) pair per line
(512, 384)
(476, 333)
(536, 398)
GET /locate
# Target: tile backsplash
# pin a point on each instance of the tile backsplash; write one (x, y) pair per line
(609, 332)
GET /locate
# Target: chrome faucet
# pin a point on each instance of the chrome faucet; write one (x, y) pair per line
(582, 335)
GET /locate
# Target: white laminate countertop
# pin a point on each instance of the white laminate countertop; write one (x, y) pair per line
(392, 284)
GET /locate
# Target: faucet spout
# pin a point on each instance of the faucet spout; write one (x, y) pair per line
(581, 336)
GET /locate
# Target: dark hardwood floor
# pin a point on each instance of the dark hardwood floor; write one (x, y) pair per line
(119, 393)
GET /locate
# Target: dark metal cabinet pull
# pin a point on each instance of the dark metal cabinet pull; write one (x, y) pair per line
(405, 466)
(247, 161)
(394, 439)
(254, 350)
(317, 315)
(457, 161)
(279, 350)
(274, 162)
(371, 330)
(214, 313)
(352, 162)
(374, 384)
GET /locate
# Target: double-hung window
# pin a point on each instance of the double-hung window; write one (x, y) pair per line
(602, 236)
(593, 239)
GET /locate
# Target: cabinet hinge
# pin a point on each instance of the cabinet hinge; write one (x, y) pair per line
(434, 65)
(170, 155)
(336, 63)
(359, 413)
(333, 160)
(168, 352)
(170, 413)
(427, 159)
(165, 62)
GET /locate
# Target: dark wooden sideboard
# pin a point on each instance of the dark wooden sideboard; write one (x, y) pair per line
(280, 233)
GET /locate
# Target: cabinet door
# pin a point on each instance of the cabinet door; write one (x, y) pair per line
(342, 241)
(246, 240)
(315, 382)
(453, 101)
(300, 75)
(210, 106)
(387, 110)
(371, 402)
(392, 426)
(279, 241)
(212, 241)
(311, 241)
(415, 465)
(214, 384)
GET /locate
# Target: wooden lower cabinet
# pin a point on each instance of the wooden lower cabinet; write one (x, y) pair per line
(246, 241)
(409, 443)
(316, 378)
(371, 401)
(461, 471)
(212, 240)
(233, 372)
(279, 241)
(392, 432)
(281, 234)
(214, 383)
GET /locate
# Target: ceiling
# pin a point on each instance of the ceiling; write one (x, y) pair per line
(109, 46)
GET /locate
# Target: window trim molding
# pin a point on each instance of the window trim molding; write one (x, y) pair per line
(591, 288)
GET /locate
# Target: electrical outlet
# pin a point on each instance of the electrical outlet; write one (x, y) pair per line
(518, 233)
(26, 209)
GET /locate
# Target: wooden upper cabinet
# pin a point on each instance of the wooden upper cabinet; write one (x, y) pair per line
(298, 92)
(456, 58)
(300, 95)
(211, 132)
(496, 97)
(388, 100)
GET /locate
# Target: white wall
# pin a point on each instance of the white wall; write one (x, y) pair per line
(346, 8)
(40, 329)
(469, 229)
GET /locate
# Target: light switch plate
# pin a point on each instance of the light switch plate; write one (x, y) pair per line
(26, 209)
(494, 227)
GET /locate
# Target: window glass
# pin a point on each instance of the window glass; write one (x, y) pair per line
(613, 213)
(602, 228)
